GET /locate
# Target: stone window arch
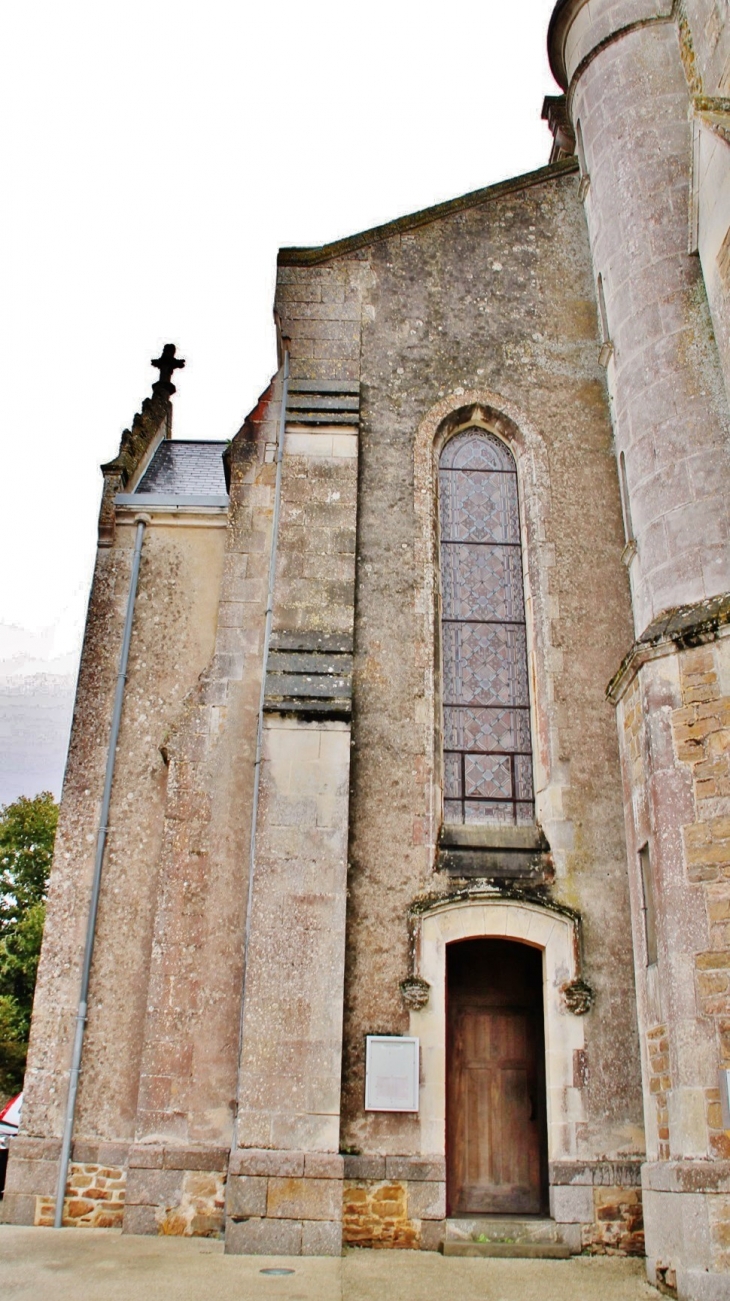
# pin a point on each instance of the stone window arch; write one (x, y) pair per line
(487, 747)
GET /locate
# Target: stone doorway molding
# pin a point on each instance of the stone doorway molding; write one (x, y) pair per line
(556, 934)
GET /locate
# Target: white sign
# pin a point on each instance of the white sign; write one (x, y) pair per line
(391, 1073)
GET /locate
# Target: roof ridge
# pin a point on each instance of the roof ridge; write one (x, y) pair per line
(325, 252)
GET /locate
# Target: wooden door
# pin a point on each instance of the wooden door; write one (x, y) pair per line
(495, 1089)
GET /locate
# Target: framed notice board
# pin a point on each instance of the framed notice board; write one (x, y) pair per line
(391, 1073)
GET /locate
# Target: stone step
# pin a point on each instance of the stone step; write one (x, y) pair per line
(489, 1235)
(523, 1250)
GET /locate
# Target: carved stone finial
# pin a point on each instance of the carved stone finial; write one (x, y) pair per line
(166, 364)
(578, 997)
(415, 993)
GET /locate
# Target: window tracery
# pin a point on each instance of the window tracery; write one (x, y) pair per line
(486, 705)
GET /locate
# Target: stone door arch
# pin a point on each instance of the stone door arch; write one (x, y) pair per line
(555, 934)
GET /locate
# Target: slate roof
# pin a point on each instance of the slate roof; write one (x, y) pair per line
(185, 469)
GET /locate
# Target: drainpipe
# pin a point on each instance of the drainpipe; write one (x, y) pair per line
(267, 639)
(73, 1083)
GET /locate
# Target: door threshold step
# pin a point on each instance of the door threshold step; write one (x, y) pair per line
(504, 1230)
(519, 1250)
(526, 1236)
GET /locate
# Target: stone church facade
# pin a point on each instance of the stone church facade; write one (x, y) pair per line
(413, 921)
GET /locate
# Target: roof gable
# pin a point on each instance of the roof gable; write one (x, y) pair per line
(340, 248)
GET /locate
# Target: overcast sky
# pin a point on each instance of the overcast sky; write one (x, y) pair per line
(154, 157)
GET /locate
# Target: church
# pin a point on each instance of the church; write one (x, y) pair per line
(391, 896)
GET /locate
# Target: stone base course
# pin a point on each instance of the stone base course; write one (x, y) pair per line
(95, 1198)
(176, 1191)
(395, 1201)
(284, 1203)
(377, 1215)
(297, 1203)
(600, 1202)
(400, 1202)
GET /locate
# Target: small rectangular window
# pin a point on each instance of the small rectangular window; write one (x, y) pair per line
(649, 909)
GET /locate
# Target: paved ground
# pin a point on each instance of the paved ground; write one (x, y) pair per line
(102, 1265)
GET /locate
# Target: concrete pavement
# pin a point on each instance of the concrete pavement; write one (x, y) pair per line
(103, 1265)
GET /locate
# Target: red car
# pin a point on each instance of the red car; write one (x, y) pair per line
(9, 1122)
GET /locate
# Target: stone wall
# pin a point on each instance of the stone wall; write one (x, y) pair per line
(394, 1201)
(706, 34)
(284, 1203)
(515, 338)
(675, 722)
(95, 1198)
(701, 729)
(597, 1206)
(400, 1202)
(176, 1191)
(693, 686)
(163, 1059)
(515, 341)
(281, 1200)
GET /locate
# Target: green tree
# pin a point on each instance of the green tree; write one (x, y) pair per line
(27, 833)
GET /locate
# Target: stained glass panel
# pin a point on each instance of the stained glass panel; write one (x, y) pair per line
(484, 664)
(487, 745)
(481, 581)
(478, 507)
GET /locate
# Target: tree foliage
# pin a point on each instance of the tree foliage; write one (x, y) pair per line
(27, 833)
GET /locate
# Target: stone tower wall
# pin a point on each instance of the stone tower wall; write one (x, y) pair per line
(669, 405)
(632, 74)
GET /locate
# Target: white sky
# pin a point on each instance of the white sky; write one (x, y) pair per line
(154, 155)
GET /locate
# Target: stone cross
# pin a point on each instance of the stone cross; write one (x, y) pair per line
(166, 364)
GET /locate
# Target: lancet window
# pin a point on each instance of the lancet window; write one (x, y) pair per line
(486, 704)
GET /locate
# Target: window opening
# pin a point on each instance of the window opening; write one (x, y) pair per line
(625, 501)
(604, 355)
(585, 179)
(486, 703)
(649, 908)
(605, 336)
(580, 149)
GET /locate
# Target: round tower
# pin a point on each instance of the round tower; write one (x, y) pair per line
(622, 66)
(620, 62)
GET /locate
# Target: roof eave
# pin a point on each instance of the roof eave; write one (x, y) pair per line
(340, 248)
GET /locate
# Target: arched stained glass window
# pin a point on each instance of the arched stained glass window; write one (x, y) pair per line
(487, 746)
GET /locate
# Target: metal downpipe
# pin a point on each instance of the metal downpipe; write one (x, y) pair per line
(73, 1083)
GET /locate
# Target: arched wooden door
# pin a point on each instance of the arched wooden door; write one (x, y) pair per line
(496, 1143)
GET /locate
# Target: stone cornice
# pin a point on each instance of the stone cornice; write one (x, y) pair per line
(560, 20)
(714, 113)
(563, 16)
(672, 631)
(150, 426)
